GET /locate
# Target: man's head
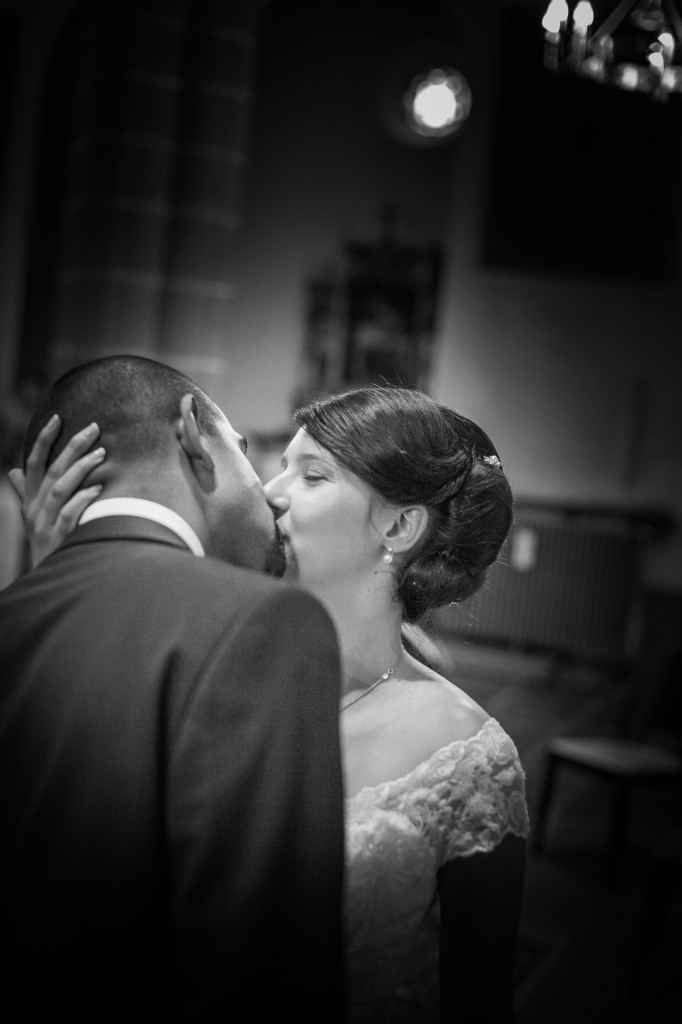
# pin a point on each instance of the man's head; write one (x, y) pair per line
(166, 441)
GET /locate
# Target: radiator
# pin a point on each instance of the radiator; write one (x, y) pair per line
(565, 585)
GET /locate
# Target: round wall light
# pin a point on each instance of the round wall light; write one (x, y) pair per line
(437, 102)
(421, 100)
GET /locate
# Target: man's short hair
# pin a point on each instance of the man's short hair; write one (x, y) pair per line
(134, 400)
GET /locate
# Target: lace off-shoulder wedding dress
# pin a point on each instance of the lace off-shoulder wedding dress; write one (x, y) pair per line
(463, 800)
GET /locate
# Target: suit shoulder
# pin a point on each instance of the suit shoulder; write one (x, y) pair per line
(254, 589)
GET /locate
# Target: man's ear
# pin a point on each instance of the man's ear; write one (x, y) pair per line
(191, 439)
(408, 528)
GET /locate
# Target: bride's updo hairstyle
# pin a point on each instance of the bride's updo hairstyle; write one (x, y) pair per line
(411, 450)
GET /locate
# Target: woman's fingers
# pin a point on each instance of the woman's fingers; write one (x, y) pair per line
(16, 478)
(52, 501)
(44, 536)
(70, 467)
(73, 509)
(37, 476)
(48, 492)
(37, 459)
(60, 486)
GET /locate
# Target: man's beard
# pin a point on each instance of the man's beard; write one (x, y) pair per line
(275, 557)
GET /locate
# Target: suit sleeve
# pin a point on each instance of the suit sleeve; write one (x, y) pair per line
(255, 823)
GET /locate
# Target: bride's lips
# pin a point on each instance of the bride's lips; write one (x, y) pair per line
(286, 546)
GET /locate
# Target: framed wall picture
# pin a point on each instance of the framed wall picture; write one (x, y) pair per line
(371, 319)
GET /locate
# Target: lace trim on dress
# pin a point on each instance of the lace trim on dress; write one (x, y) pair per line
(464, 798)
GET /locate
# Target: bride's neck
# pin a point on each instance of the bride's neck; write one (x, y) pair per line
(368, 633)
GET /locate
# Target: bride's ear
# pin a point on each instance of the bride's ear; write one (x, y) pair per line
(189, 434)
(408, 528)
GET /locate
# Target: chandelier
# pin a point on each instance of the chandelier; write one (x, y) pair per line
(634, 48)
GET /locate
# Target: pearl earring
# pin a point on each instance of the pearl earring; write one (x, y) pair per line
(388, 554)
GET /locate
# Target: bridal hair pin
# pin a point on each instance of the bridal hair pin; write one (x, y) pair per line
(492, 460)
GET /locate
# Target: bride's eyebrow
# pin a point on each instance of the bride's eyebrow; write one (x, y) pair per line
(306, 457)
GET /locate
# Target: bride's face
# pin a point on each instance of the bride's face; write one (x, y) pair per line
(325, 516)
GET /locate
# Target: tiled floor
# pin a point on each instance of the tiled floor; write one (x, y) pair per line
(579, 936)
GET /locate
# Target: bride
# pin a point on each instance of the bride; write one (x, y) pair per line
(390, 505)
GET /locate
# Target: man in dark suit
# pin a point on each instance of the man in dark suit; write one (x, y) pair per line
(171, 801)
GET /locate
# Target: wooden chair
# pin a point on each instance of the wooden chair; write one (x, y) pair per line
(652, 756)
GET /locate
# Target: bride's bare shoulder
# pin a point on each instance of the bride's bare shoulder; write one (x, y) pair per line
(445, 711)
(411, 718)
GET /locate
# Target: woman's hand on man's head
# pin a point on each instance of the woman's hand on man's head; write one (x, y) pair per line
(52, 500)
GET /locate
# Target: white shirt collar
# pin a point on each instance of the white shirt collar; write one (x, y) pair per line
(144, 509)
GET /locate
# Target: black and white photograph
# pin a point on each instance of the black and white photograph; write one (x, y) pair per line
(340, 508)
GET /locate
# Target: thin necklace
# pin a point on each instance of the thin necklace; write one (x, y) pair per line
(381, 679)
